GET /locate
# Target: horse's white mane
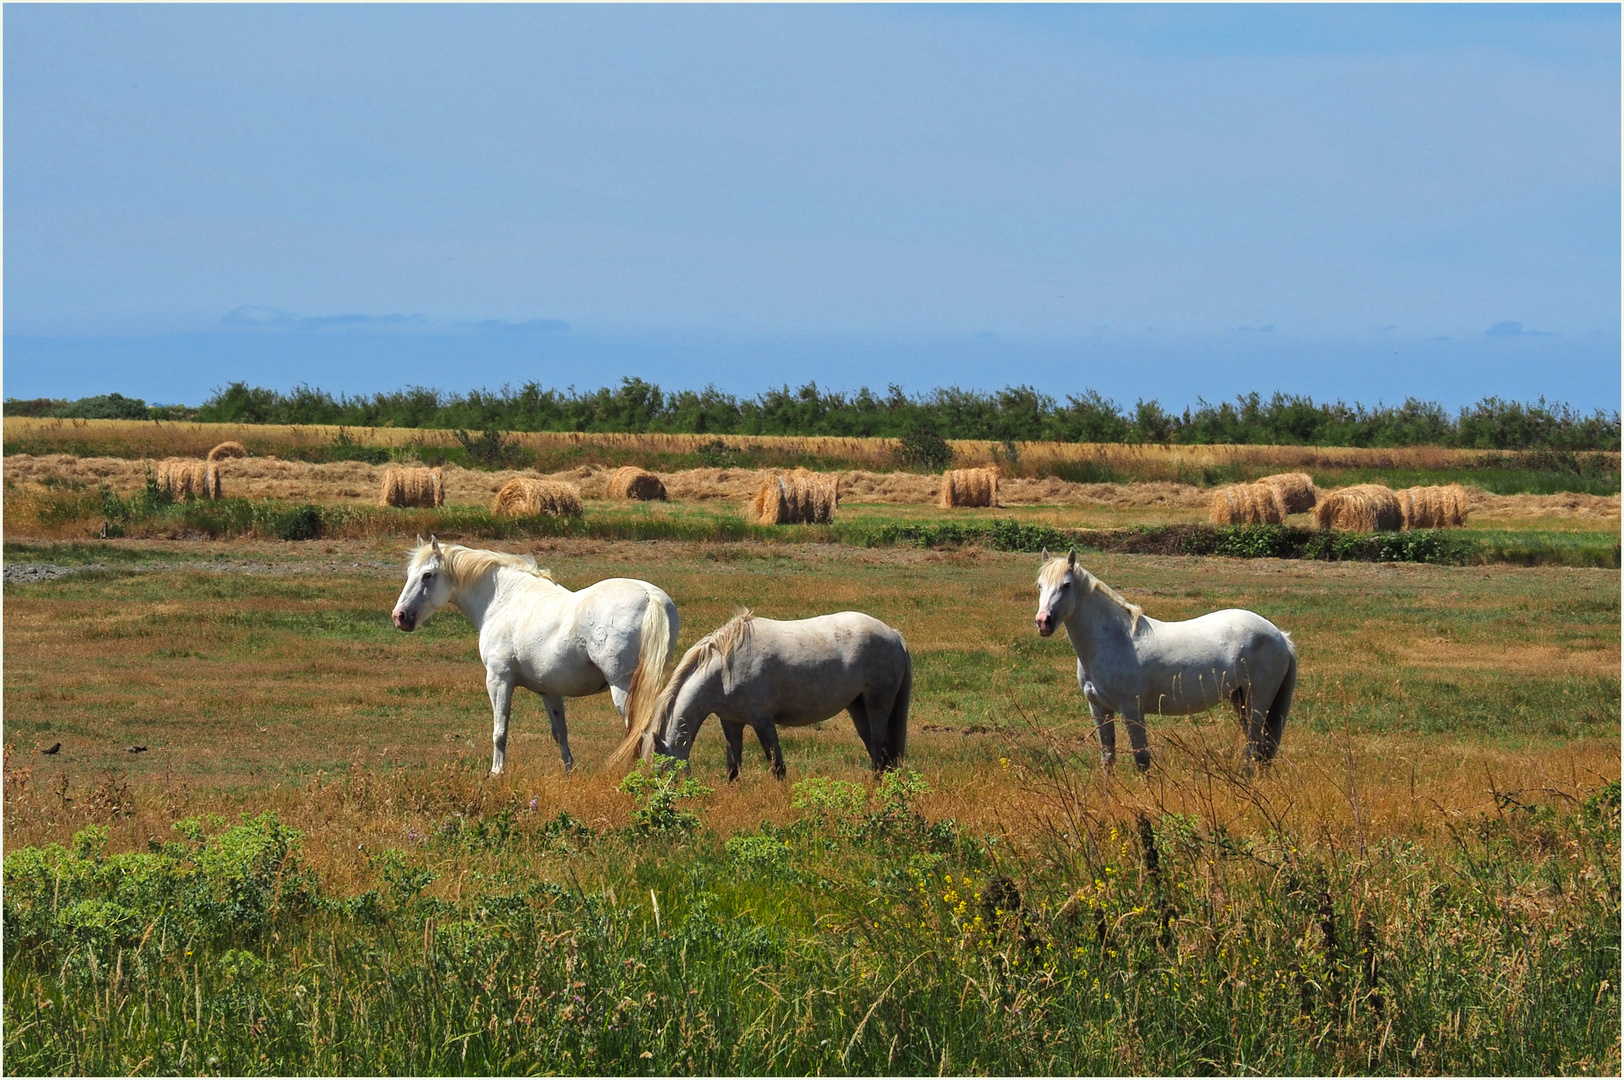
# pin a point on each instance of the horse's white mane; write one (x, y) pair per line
(1056, 569)
(719, 643)
(465, 564)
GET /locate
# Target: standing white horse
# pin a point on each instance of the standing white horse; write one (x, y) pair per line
(533, 632)
(1131, 664)
(764, 673)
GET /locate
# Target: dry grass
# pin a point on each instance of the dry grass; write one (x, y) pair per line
(630, 482)
(1442, 507)
(1247, 504)
(1361, 508)
(1296, 491)
(527, 497)
(228, 449)
(1149, 461)
(357, 483)
(969, 487)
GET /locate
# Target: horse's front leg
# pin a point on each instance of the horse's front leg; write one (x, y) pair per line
(1136, 735)
(1104, 724)
(499, 684)
(734, 733)
(561, 731)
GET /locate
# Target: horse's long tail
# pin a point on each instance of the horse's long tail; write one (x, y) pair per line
(899, 715)
(1280, 707)
(653, 651)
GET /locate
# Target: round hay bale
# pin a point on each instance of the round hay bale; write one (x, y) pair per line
(1247, 504)
(969, 487)
(1361, 508)
(630, 482)
(798, 498)
(412, 486)
(184, 478)
(1296, 491)
(1441, 507)
(228, 449)
(529, 497)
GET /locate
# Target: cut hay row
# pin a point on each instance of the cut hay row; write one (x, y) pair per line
(412, 487)
(630, 482)
(1296, 491)
(1247, 504)
(183, 479)
(796, 498)
(526, 496)
(1361, 508)
(968, 487)
(1442, 507)
(227, 449)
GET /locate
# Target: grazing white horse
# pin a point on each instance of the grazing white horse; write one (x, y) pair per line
(763, 672)
(1133, 665)
(533, 632)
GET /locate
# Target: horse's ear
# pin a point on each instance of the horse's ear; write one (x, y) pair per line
(1045, 556)
(1071, 559)
(419, 539)
(434, 544)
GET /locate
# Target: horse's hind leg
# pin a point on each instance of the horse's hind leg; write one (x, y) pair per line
(767, 735)
(561, 731)
(734, 733)
(860, 719)
(878, 704)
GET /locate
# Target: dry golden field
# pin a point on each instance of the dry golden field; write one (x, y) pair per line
(158, 439)
(250, 670)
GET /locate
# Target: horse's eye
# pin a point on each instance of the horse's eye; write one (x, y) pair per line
(1065, 585)
(427, 574)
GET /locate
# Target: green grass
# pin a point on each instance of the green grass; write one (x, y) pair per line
(861, 938)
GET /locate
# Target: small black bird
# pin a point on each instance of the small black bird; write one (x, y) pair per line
(135, 749)
(54, 748)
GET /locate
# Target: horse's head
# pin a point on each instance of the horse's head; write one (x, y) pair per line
(1058, 586)
(427, 587)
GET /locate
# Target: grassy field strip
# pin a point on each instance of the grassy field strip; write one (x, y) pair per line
(308, 871)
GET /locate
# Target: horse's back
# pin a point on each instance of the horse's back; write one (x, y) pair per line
(1230, 635)
(851, 635)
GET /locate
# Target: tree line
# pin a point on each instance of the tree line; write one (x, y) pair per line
(1013, 413)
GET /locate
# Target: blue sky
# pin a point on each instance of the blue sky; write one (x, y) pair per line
(1161, 202)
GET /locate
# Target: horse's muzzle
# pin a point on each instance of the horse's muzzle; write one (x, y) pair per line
(404, 621)
(1045, 624)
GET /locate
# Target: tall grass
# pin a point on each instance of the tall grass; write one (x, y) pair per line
(1202, 927)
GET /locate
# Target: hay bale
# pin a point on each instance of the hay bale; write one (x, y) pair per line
(1441, 507)
(797, 498)
(1361, 508)
(969, 487)
(630, 482)
(1296, 491)
(405, 486)
(1247, 504)
(528, 497)
(227, 449)
(183, 478)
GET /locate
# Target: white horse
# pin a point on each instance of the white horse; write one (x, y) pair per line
(1131, 664)
(764, 673)
(535, 633)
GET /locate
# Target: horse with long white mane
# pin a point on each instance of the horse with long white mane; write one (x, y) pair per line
(533, 632)
(763, 672)
(1133, 665)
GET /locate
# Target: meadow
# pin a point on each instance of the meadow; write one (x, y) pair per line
(308, 870)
